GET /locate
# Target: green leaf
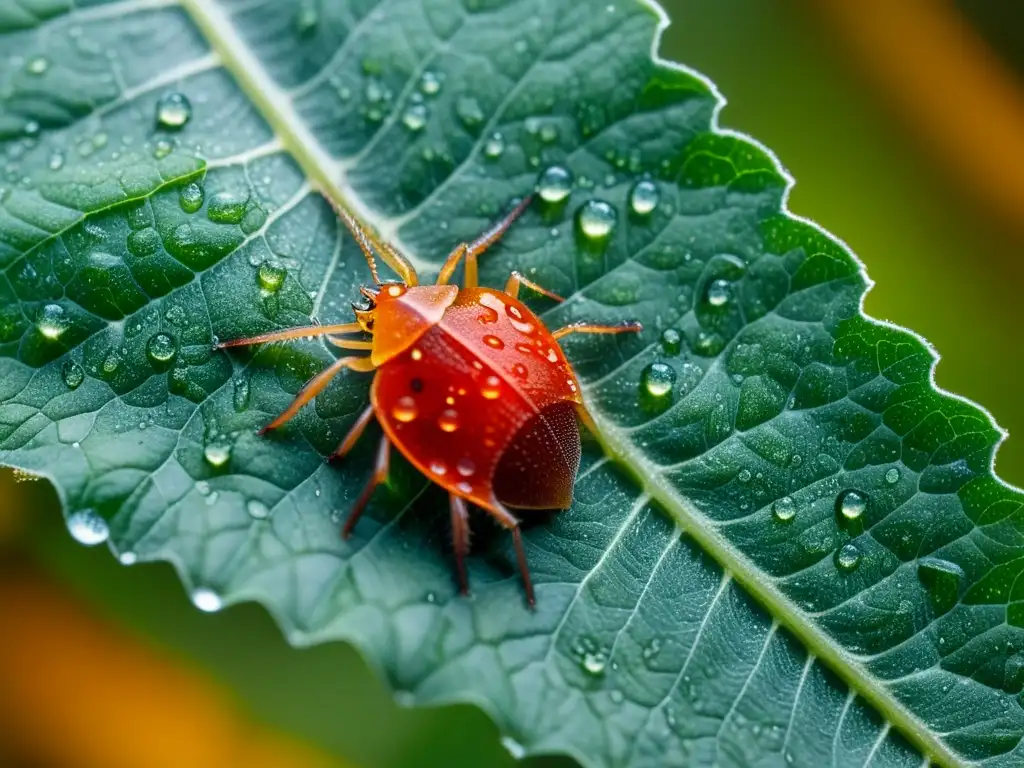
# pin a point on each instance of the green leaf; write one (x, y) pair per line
(793, 548)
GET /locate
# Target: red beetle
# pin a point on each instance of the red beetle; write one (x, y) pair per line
(470, 386)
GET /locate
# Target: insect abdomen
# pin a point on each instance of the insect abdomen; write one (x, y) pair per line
(538, 467)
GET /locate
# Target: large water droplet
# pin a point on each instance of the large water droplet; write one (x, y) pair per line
(161, 347)
(469, 111)
(448, 421)
(191, 197)
(671, 341)
(491, 390)
(719, 292)
(206, 600)
(596, 220)
(51, 321)
(88, 528)
(850, 505)
(847, 557)
(643, 198)
(784, 509)
(430, 83)
(217, 453)
(37, 65)
(270, 277)
(257, 509)
(554, 184)
(173, 111)
(227, 207)
(892, 476)
(144, 242)
(943, 580)
(405, 410)
(594, 663)
(466, 467)
(73, 374)
(494, 146)
(415, 117)
(657, 380)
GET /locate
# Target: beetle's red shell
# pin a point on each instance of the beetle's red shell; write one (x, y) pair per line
(483, 402)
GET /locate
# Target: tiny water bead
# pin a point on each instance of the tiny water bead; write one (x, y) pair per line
(596, 220)
(430, 83)
(554, 184)
(644, 197)
(657, 379)
(173, 111)
(719, 292)
(513, 747)
(270, 277)
(191, 197)
(415, 117)
(405, 410)
(469, 111)
(242, 393)
(847, 557)
(206, 600)
(73, 374)
(128, 558)
(594, 663)
(56, 161)
(217, 454)
(784, 509)
(37, 65)
(88, 528)
(466, 467)
(448, 421)
(161, 348)
(257, 509)
(671, 341)
(227, 207)
(51, 321)
(892, 476)
(494, 146)
(494, 342)
(306, 19)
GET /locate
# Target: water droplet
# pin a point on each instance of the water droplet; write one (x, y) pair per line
(943, 580)
(847, 557)
(217, 454)
(519, 370)
(88, 528)
(227, 208)
(513, 747)
(469, 112)
(851, 505)
(51, 321)
(270, 277)
(596, 219)
(415, 117)
(241, 394)
(306, 19)
(191, 197)
(56, 160)
(671, 341)
(554, 184)
(643, 198)
(111, 363)
(491, 389)
(744, 476)
(594, 663)
(719, 292)
(405, 410)
(162, 149)
(494, 342)
(438, 468)
(466, 467)
(494, 146)
(892, 476)
(206, 600)
(37, 65)
(173, 111)
(430, 83)
(784, 509)
(448, 421)
(257, 509)
(73, 374)
(161, 347)
(144, 242)
(657, 379)
(128, 558)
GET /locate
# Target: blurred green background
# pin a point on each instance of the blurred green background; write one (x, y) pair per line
(904, 126)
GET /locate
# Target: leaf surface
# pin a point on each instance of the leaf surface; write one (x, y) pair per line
(791, 549)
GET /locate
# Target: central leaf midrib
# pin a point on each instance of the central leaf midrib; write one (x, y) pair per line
(275, 106)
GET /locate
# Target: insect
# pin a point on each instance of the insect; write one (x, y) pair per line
(469, 385)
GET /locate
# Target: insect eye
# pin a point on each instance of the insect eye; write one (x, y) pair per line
(362, 306)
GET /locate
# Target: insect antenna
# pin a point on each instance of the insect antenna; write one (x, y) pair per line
(368, 244)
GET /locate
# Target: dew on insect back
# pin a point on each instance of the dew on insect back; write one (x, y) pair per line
(494, 146)
(892, 476)
(943, 581)
(554, 184)
(227, 207)
(448, 421)
(51, 321)
(217, 453)
(491, 390)
(596, 220)
(173, 111)
(644, 197)
(257, 509)
(513, 747)
(73, 374)
(657, 380)
(671, 341)
(206, 600)
(404, 409)
(161, 347)
(847, 557)
(270, 277)
(88, 528)
(719, 292)
(415, 117)
(784, 509)
(191, 197)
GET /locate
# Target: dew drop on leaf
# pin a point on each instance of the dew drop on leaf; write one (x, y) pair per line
(143, 242)
(657, 380)
(206, 600)
(257, 509)
(37, 65)
(943, 580)
(88, 528)
(513, 747)
(191, 197)
(162, 149)
(719, 292)
(671, 341)
(73, 374)
(128, 558)
(784, 509)
(415, 117)
(306, 19)
(892, 476)
(56, 161)
(847, 557)
(241, 394)
(430, 83)
(596, 220)
(851, 505)
(51, 321)
(111, 363)
(217, 453)
(469, 112)
(554, 184)
(270, 277)
(227, 208)
(593, 663)
(494, 146)
(173, 111)
(643, 198)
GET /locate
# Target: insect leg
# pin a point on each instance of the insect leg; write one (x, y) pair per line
(451, 263)
(307, 331)
(315, 385)
(507, 520)
(630, 327)
(350, 343)
(380, 474)
(516, 279)
(460, 538)
(354, 433)
(478, 246)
